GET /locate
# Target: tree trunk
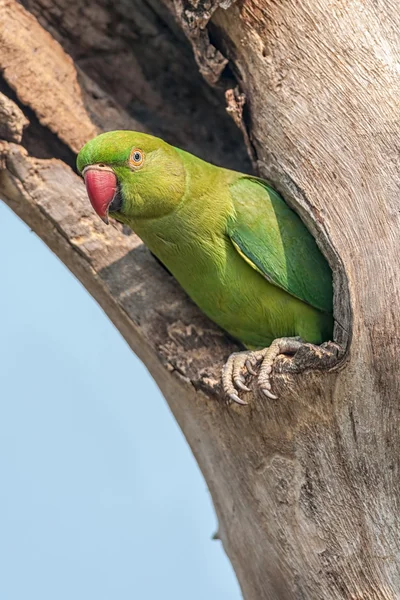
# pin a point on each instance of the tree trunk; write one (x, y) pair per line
(306, 488)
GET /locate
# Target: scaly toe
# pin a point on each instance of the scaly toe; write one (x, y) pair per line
(264, 381)
(232, 374)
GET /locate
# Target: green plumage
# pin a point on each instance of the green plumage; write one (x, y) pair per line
(239, 251)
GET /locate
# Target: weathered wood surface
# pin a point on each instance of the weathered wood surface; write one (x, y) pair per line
(306, 488)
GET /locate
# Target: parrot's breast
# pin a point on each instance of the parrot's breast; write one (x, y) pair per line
(235, 296)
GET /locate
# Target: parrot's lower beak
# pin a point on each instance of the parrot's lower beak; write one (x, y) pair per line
(101, 185)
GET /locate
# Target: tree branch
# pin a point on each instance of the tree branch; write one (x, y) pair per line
(306, 488)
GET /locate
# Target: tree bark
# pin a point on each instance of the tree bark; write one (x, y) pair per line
(306, 488)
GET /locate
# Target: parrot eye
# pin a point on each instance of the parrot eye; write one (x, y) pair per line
(136, 158)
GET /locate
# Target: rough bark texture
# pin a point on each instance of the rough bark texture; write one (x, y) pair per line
(306, 488)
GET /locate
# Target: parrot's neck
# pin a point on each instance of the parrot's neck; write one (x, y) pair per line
(195, 230)
(200, 215)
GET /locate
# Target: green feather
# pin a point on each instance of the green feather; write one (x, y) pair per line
(275, 242)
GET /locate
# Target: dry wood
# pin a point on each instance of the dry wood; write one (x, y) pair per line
(306, 488)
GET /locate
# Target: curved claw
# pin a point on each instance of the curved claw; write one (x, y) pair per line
(250, 367)
(269, 394)
(241, 385)
(235, 398)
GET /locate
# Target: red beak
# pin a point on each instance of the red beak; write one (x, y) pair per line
(101, 186)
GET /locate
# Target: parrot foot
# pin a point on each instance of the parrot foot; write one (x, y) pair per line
(232, 373)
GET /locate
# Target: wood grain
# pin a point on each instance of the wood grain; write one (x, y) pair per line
(306, 488)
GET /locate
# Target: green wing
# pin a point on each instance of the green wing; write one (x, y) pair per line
(274, 241)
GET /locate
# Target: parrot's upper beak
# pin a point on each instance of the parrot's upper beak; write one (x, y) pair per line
(101, 185)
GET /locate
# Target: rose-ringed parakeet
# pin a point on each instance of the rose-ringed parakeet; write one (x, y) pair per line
(243, 256)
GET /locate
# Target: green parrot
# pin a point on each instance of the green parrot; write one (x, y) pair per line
(240, 252)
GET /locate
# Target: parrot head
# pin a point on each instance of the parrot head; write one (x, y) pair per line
(131, 175)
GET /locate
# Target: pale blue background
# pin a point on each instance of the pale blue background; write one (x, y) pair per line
(100, 497)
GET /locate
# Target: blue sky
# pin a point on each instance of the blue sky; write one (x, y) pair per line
(100, 497)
